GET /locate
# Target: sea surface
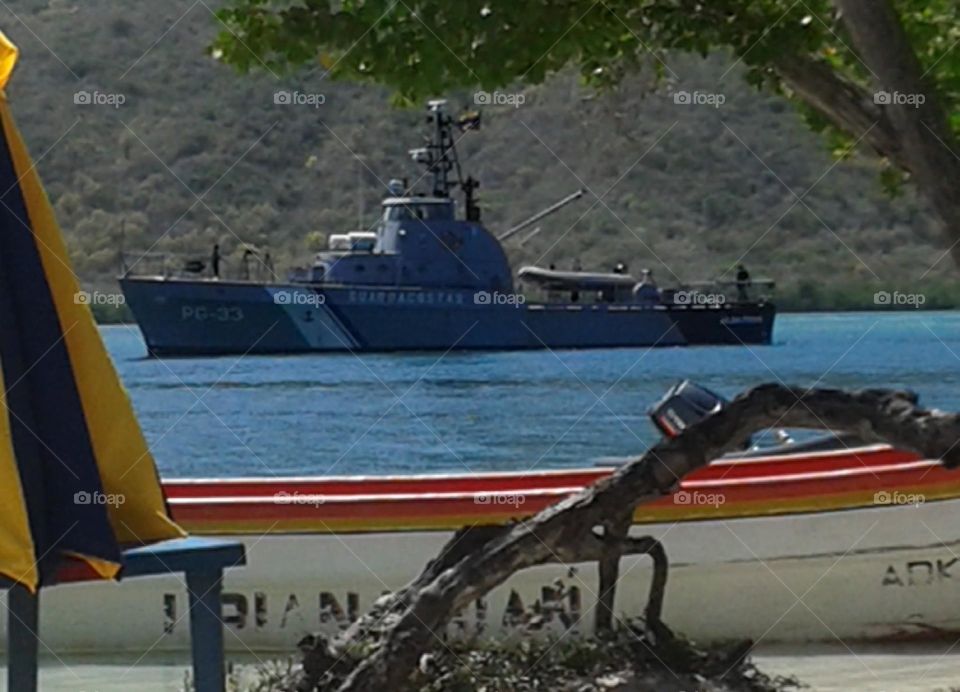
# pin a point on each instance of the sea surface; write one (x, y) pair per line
(474, 412)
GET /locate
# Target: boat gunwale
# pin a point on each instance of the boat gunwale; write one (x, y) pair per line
(559, 492)
(599, 471)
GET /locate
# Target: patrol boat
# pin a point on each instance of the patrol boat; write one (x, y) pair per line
(426, 279)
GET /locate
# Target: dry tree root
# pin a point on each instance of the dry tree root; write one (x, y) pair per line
(592, 525)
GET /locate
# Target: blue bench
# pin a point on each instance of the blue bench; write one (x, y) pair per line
(201, 560)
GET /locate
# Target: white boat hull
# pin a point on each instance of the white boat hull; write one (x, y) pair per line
(866, 574)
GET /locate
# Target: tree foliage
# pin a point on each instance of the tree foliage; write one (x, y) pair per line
(421, 48)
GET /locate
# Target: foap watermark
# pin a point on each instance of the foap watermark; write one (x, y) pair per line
(895, 497)
(499, 98)
(296, 498)
(299, 298)
(298, 98)
(896, 98)
(698, 298)
(509, 499)
(696, 498)
(98, 98)
(698, 98)
(898, 299)
(497, 298)
(98, 298)
(83, 497)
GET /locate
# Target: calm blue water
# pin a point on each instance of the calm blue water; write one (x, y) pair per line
(381, 414)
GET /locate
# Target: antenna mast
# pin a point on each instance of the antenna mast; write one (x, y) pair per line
(440, 154)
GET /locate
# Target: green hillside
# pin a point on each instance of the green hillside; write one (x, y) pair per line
(197, 154)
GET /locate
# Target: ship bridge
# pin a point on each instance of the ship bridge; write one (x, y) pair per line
(419, 242)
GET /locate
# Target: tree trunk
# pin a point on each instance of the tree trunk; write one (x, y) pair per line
(927, 146)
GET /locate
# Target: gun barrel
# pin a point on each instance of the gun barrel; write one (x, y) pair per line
(539, 215)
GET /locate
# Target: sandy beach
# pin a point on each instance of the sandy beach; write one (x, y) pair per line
(833, 668)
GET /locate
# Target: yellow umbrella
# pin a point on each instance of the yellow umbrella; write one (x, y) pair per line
(77, 480)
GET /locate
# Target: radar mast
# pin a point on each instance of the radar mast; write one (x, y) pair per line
(440, 157)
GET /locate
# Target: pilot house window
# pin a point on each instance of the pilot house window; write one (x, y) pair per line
(424, 212)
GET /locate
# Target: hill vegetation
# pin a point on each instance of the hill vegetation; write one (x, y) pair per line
(181, 153)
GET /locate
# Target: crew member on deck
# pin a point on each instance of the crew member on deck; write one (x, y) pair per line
(248, 254)
(575, 294)
(743, 284)
(551, 293)
(268, 266)
(646, 291)
(215, 261)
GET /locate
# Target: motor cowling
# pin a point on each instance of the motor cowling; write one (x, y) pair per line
(684, 404)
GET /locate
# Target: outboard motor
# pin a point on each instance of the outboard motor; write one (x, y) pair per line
(683, 405)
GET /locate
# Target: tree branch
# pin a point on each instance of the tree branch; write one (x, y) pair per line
(566, 531)
(844, 103)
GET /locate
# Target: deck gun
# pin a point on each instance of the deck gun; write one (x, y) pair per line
(540, 214)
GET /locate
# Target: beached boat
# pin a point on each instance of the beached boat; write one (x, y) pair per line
(804, 542)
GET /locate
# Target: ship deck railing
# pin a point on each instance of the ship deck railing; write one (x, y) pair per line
(194, 266)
